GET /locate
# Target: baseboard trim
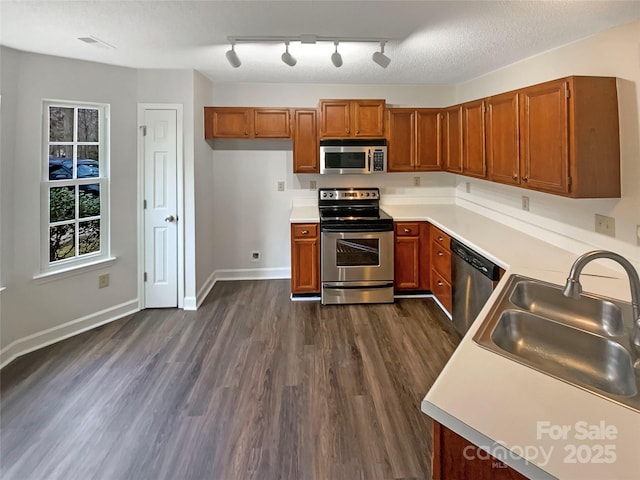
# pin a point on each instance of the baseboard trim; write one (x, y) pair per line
(55, 334)
(235, 274)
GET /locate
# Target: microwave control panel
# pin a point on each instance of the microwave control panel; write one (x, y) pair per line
(378, 161)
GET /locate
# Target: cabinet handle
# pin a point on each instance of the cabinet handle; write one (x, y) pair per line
(440, 239)
(515, 177)
(407, 230)
(440, 253)
(304, 232)
(526, 179)
(439, 282)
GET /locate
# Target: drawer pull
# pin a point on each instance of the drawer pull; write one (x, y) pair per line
(440, 253)
(440, 239)
(407, 230)
(304, 232)
(439, 282)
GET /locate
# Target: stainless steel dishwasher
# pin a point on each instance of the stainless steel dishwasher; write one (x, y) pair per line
(472, 278)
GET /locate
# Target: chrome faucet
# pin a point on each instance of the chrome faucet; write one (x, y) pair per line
(573, 287)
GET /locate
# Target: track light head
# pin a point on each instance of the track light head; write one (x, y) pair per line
(232, 57)
(287, 57)
(380, 58)
(336, 58)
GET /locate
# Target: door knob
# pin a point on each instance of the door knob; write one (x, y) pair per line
(170, 218)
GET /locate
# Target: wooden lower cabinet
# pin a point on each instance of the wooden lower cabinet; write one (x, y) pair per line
(411, 256)
(305, 258)
(441, 267)
(455, 458)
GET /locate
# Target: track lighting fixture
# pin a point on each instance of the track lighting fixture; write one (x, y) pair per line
(380, 58)
(287, 57)
(336, 58)
(232, 56)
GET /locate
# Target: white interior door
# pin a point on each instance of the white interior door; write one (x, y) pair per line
(160, 212)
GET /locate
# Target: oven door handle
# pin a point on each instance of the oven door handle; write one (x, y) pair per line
(329, 286)
(357, 230)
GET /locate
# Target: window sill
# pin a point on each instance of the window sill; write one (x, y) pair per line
(75, 270)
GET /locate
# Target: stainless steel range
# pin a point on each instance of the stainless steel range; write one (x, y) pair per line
(356, 247)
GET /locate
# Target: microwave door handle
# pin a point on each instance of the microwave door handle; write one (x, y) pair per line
(369, 160)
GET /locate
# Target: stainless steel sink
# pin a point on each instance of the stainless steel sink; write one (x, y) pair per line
(590, 313)
(584, 342)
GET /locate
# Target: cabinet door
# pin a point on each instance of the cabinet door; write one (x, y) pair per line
(305, 258)
(231, 122)
(305, 141)
(335, 118)
(411, 256)
(453, 458)
(400, 139)
(272, 123)
(428, 140)
(473, 139)
(452, 138)
(407, 263)
(544, 127)
(502, 135)
(368, 118)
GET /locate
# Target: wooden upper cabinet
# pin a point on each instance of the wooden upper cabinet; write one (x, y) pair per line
(502, 138)
(247, 122)
(351, 118)
(401, 143)
(428, 139)
(569, 137)
(305, 141)
(413, 139)
(228, 122)
(473, 154)
(452, 139)
(272, 122)
(544, 121)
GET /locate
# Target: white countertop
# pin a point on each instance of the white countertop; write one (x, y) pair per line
(493, 401)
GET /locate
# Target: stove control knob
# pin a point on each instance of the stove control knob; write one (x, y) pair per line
(331, 195)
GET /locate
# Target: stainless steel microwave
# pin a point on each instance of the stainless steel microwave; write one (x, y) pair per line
(353, 155)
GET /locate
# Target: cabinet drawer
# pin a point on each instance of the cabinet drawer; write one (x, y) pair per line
(407, 229)
(441, 289)
(304, 230)
(440, 237)
(441, 260)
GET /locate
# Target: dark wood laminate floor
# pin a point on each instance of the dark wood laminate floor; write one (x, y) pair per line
(251, 386)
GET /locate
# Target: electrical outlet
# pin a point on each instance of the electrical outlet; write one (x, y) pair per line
(312, 185)
(416, 181)
(255, 256)
(103, 280)
(467, 187)
(525, 203)
(281, 185)
(605, 225)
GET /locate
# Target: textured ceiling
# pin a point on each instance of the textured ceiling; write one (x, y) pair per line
(432, 42)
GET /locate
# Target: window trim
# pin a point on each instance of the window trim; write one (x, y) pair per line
(67, 266)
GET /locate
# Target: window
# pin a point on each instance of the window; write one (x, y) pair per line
(75, 185)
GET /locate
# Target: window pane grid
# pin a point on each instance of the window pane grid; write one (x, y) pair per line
(77, 181)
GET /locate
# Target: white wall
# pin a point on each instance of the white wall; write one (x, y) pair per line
(616, 53)
(205, 228)
(33, 311)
